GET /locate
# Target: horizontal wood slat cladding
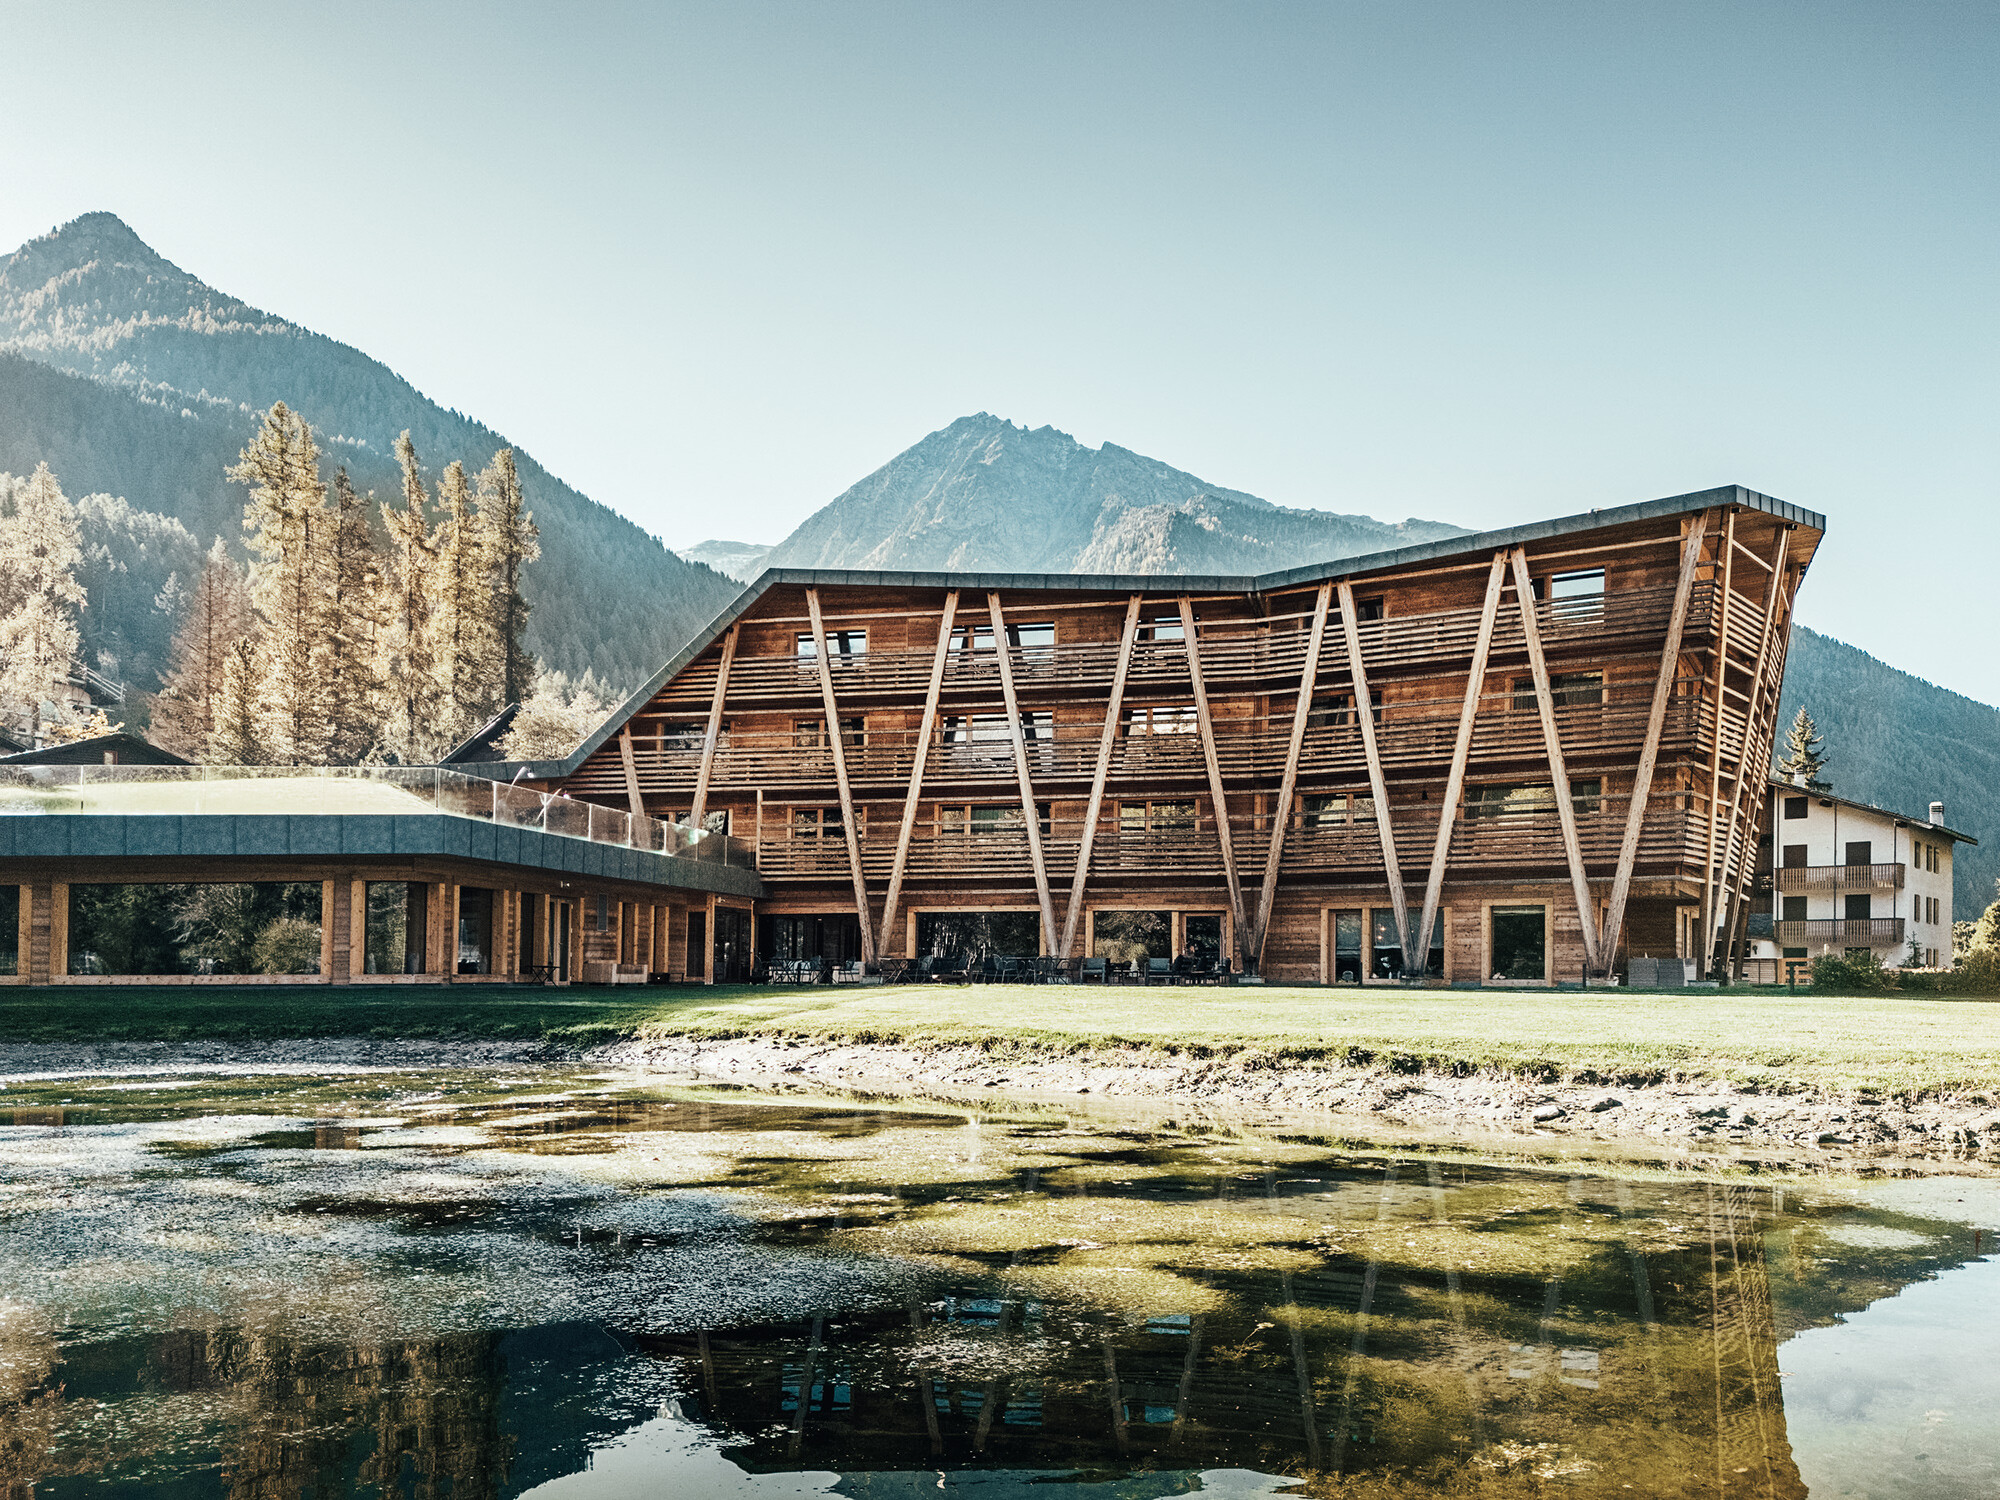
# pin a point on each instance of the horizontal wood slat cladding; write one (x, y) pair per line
(955, 738)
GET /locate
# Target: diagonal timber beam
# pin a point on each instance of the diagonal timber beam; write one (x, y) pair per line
(847, 825)
(1756, 750)
(916, 791)
(1712, 879)
(1364, 708)
(1461, 749)
(1105, 745)
(1649, 752)
(1545, 703)
(1281, 817)
(714, 735)
(1217, 795)
(631, 771)
(1033, 819)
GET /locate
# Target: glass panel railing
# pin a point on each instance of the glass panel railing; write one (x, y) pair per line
(140, 791)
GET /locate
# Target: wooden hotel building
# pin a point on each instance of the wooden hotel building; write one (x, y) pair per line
(1519, 756)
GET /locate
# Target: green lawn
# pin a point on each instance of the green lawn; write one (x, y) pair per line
(1887, 1043)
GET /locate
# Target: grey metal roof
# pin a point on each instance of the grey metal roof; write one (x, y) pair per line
(324, 836)
(1151, 583)
(90, 752)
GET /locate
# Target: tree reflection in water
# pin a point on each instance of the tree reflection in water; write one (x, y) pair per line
(1050, 1303)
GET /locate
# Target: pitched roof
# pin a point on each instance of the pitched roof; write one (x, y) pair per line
(1779, 784)
(131, 750)
(1447, 548)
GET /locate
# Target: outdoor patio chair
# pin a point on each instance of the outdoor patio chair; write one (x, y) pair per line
(1094, 970)
(923, 970)
(1159, 971)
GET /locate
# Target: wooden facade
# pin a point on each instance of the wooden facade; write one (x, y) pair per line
(1573, 717)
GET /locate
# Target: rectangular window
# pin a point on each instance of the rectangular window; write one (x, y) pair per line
(475, 930)
(1033, 642)
(1163, 628)
(393, 931)
(992, 730)
(1916, 908)
(1330, 711)
(10, 929)
(1346, 947)
(1577, 689)
(1577, 597)
(1795, 953)
(958, 818)
(1856, 908)
(1364, 611)
(1795, 807)
(1794, 909)
(1861, 852)
(265, 928)
(816, 823)
(1156, 817)
(838, 643)
(1520, 942)
(1518, 799)
(810, 734)
(1174, 718)
(1201, 936)
(978, 934)
(711, 822)
(1795, 856)
(1125, 936)
(1334, 809)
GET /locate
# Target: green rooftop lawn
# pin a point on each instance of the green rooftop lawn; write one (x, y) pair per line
(1773, 1037)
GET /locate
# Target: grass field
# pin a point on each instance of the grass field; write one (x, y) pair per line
(1888, 1044)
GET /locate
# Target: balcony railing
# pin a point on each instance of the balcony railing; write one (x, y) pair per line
(1840, 877)
(139, 791)
(1872, 931)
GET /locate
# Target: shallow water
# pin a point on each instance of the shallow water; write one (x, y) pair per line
(481, 1284)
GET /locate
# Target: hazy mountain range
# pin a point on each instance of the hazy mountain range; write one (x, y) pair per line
(132, 377)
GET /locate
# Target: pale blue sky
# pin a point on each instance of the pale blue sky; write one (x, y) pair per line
(1481, 262)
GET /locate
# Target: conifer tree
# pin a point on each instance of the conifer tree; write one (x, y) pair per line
(1802, 761)
(355, 627)
(187, 711)
(410, 664)
(286, 517)
(512, 541)
(463, 612)
(238, 739)
(40, 551)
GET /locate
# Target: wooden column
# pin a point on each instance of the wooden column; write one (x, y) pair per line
(1461, 750)
(1649, 752)
(1281, 815)
(1223, 832)
(1105, 744)
(1531, 629)
(917, 764)
(840, 779)
(714, 736)
(1711, 884)
(1736, 852)
(631, 772)
(1034, 821)
(1364, 707)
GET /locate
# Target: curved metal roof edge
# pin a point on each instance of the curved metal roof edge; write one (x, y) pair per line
(1150, 583)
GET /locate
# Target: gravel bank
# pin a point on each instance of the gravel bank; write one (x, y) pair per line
(1705, 1113)
(25, 1061)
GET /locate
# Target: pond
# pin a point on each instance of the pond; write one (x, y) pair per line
(547, 1283)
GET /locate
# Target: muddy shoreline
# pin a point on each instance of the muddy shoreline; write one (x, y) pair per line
(1941, 1133)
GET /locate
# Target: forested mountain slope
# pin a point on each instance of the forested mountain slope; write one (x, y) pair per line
(986, 494)
(1902, 743)
(175, 377)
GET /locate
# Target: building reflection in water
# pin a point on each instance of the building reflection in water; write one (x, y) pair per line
(1455, 1331)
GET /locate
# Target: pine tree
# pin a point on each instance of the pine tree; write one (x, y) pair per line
(240, 713)
(463, 610)
(40, 551)
(187, 711)
(1802, 760)
(410, 665)
(553, 718)
(287, 519)
(512, 542)
(356, 627)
